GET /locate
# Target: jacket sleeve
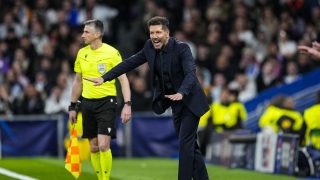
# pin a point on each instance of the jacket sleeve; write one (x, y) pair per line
(126, 66)
(189, 69)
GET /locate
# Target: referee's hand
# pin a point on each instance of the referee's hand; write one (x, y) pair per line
(97, 81)
(126, 113)
(73, 116)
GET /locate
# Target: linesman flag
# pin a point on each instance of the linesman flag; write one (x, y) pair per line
(73, 162)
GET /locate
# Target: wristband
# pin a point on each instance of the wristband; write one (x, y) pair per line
(73, 106)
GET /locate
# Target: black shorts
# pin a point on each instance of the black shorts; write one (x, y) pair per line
(99, 117)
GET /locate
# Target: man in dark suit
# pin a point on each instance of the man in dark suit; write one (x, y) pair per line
(175, 84)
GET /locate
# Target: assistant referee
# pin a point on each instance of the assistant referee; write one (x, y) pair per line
(99, 102)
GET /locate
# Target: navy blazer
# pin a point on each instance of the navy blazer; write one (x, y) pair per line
(182, 74)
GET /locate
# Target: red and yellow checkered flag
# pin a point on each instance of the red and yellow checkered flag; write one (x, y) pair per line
(73, 162)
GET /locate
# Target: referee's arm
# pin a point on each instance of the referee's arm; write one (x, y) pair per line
(125, 88)
(75, 94)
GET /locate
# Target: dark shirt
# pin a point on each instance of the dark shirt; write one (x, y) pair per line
(162, 72)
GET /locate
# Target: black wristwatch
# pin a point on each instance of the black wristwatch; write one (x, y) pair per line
(74, 106)
(129, 103)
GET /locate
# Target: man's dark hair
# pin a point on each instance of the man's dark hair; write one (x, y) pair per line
(158, 20)
(235, 92)
(98, 25)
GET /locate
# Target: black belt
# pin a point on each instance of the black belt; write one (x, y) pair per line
(107, 98)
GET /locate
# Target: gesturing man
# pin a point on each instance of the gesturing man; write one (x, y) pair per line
(99, 103)
(175, 84)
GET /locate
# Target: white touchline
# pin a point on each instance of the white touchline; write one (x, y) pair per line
(15, 175)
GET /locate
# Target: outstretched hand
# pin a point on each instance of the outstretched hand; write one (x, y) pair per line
(174, 97)
(97, 81)
(316, 45)
(313, 51)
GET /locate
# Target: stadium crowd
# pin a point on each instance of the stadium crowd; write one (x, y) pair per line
(245, 45)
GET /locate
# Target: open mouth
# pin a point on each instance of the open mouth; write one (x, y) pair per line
(156, 42)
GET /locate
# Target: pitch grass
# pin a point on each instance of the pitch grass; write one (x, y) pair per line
(123, 169)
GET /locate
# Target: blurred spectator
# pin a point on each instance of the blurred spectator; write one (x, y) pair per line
(42, 84)
(261, 48)
(217, 10)
(179, 35)
(141, 96)
(214, 43)
(30, 103)
(21, 77)
(246, 86)
(292, 73)
(237, 108)
(14, 86)
(10, 26)
(287, 47)
(228, 51)
(44, 64)
(30, 53)
(54, 104)
(224, 66)
(244, 33)
(225, 115)
(188, 5)
(64, 38)
(304, 63)
(315, 13)
(189, 29)
(4, 60)
(64, 82)
(218, 83)
(38, 36)
(280, 116)
(268, 23)
(21, 59)
(202, 58)
(5, 104)
(22, 12)
(94, 10)
(268, 76)
(249, 63)
(69, 13)
(200, 26)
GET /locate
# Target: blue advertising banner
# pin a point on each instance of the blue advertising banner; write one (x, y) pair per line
(29, 138)
(154, 136)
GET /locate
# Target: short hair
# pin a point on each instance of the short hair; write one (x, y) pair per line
(159, 20)
(97, 24)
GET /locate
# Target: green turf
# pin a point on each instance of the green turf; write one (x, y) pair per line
(123, 169)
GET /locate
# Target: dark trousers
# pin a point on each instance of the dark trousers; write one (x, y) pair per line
(191, 163)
